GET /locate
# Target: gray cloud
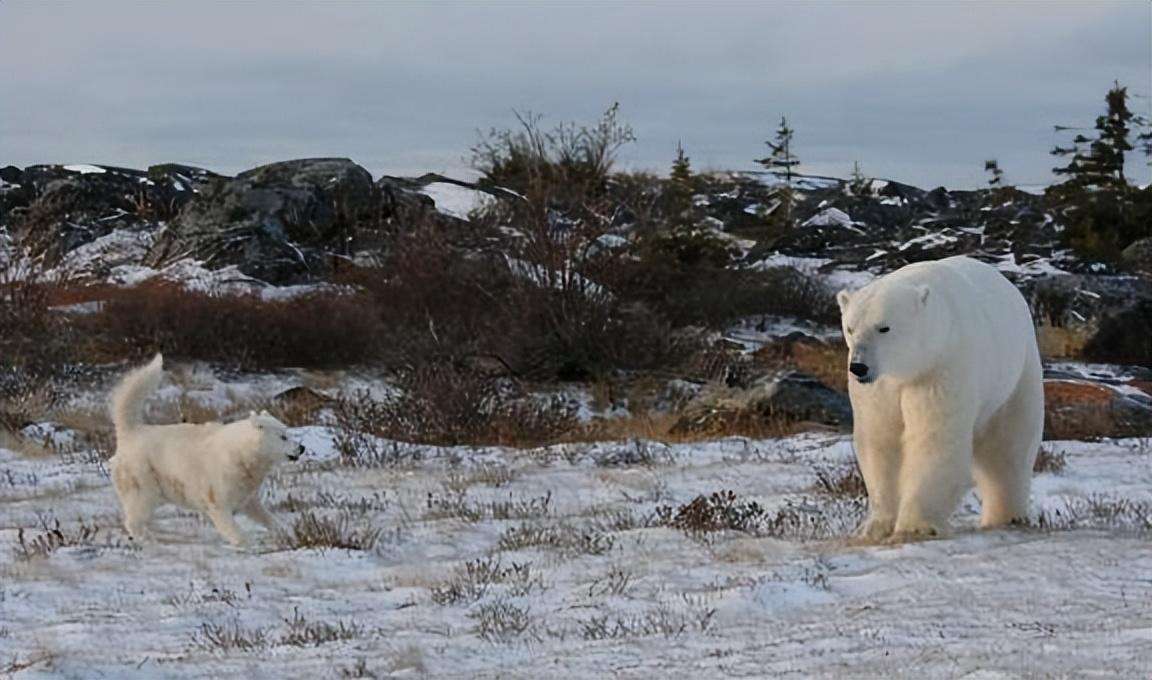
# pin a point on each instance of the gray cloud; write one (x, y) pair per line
(917, 92)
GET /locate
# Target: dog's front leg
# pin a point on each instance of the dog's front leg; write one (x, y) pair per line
(256, 510)
(226, 526)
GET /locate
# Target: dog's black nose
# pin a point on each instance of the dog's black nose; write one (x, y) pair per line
(858, 370)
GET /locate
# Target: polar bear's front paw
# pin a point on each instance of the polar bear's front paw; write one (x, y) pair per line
(874, 529)
(910, 533)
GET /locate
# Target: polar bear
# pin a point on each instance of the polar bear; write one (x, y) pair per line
(945, 380)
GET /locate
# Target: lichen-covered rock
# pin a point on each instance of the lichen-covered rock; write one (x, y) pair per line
(1138, 256)
(1080, 409)
(769, 403)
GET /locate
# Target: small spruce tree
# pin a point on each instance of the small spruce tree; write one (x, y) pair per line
(996, 175)
(680, 189)
(781, 162)
(1098, 161)
(858, 184)
(1101, 211)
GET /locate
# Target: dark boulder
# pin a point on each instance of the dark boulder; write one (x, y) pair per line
(71, 205)
(281, 223)
(1138, 256)
(784, 399)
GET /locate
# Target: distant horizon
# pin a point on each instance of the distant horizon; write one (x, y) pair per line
(920, 94)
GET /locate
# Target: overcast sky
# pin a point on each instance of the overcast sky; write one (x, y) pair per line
(921, 92)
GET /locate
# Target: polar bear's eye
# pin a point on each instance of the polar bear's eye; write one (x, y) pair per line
(850, 331)
(884, 329)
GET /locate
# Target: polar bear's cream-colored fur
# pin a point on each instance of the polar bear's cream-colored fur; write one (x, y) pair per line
(212, 468)
(946, 382)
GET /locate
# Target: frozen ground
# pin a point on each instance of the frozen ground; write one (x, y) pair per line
(607, 590)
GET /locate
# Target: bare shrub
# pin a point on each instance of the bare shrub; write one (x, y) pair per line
(795, 520)
(52, 537)
(487, 474)
(533, 306)
(457, 504)
(637, 452)
(806, 521)
(720, 511)
(213, 637)
(500, 621)
(1050, 460)
(472, 581)
(36, 342)
(360, 505)
(445, 405)
(321, 532)
(1097, 512)
(564, 538)
(199, 596)
(660, 620)
(300, 632)
(617, 582)
(359, 669)
(359, 427)
(532, 159)
(844, 480)
(317, 330)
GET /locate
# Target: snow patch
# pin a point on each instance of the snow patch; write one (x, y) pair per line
(85, 169)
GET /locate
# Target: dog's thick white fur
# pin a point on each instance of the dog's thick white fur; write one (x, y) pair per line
(213, 468)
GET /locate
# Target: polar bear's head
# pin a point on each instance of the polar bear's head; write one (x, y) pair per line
(894, 329)
(273, 435)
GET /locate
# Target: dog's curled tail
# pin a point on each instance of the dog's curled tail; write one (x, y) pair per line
(129, 396)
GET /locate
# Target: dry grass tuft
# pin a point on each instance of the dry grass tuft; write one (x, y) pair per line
(321, 532)
(500, 621)
(456, 504)
(564, 538)
(473, 580)
(300, 632)
(1097, 512)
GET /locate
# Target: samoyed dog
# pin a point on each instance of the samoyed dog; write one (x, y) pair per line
(212, 468)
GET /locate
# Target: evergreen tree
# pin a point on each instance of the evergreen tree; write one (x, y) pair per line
(680, 189)
(1080, 169)
(681, 167)
(781, 160)
(1099, 161)
(996, 179)
(1109, 148)
(1102, 213)
(858, 184)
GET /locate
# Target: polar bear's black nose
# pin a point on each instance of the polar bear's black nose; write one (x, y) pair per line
(858, 370)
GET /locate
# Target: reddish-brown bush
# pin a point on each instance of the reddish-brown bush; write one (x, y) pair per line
(321, 329)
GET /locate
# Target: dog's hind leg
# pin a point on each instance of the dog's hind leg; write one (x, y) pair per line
(137, 500)
(137, 516)
(256, 510)
(224, 523)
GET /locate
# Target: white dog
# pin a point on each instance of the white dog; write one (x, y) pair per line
(212, 468)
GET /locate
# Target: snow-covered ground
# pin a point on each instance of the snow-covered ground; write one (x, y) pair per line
(607, 591)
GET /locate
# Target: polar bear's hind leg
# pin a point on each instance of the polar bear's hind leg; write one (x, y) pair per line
(1006, 451)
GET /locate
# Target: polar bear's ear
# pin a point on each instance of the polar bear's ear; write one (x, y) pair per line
(923, 292)
(843, 298)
